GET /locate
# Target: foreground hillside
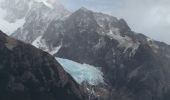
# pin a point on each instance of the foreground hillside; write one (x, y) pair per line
(27, 73)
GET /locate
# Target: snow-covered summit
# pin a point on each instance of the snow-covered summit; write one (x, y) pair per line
(50, 3)
(18, 9)
(39, 15)
(17, 12)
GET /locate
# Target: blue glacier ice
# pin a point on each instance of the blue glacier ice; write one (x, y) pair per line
(82, 72)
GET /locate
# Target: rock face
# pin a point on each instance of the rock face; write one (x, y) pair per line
(36, 14)
(18, 9)
(37, 20)
(134, 66)
(27, 73)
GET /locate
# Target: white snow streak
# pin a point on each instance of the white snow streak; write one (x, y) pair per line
(7, 27)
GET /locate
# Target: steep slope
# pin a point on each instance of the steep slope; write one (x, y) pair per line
(18, 9)
(135, 66)
(15, 9)
(27, 73)
(37, 19)
(34, 14)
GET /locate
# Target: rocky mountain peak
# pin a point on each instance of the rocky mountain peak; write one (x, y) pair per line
(84, 9)
(38, 17)
(18, 9)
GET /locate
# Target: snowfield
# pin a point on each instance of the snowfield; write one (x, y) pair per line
(8, 27)
(82, 72)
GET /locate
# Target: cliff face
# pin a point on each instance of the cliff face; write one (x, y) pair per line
(27, 73)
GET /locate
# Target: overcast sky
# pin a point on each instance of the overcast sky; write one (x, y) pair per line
(151, 17)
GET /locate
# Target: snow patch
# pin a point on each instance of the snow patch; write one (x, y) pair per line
(124, 41)
(101, 19)
(40, 43)
(149, 39)
(46, 3)
(55, 50)
(152, 44)
(37, 42)
(82, 72)
(134, 48)
(7, 27)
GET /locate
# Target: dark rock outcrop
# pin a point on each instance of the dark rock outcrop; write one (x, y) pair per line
(27, 73)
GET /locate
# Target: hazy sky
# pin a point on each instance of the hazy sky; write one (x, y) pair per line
(151, 17)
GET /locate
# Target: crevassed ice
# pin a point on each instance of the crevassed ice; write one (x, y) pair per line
(82, 72)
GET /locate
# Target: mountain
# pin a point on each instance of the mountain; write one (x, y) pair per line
(27, 73)
(134, 66)
(18, 9)
(15, 9)
(37, 19)
(35, 12)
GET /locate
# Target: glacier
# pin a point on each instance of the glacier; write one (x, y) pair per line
(82, 72)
